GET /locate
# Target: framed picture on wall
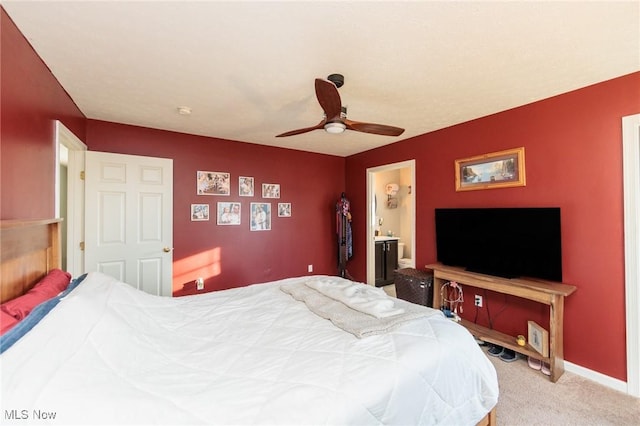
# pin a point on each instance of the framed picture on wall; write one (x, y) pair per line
(260, 216)
(228, 213)
(270, 190)
(284, 209)
(494, 170)
(213, 183)
(199, 212)
(245, 186)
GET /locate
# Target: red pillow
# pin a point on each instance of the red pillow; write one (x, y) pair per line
(6, 322)
(50, 286)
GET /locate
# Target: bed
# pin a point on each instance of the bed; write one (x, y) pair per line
(106, 353)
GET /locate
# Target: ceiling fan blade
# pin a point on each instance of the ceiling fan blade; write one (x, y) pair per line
(300, 131)
(376, 129)
(329, 98)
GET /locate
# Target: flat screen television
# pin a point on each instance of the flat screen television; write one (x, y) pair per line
(505, 242)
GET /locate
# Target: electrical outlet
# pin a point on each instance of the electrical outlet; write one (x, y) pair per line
(200, 284)
(309, 268)
(478, 301)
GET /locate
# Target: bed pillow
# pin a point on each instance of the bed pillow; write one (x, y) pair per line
(6, 322)
(38, 313)
(50, 286)
(75, 283)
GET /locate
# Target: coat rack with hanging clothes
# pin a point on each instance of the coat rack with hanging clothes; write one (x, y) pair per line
(343, 232)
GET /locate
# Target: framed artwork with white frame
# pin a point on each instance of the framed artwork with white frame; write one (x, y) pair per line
(538, 338)
(270, 190)
(199, 212)
(260, 217)
(284, 209)
(246, 186)
(228, 213)
(213, 183)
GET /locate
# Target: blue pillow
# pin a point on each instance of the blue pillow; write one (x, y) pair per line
(23, 327)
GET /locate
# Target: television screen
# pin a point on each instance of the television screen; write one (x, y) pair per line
(505, 242)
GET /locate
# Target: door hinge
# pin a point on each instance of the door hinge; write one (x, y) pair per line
(82, 245)
(82, 175)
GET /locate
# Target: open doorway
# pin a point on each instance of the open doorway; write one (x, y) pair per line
(391, 210)
(69, 202)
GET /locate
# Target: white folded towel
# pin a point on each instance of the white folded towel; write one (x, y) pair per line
(351, 320)
(361, 297)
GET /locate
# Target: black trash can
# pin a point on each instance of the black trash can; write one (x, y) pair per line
(415, 286)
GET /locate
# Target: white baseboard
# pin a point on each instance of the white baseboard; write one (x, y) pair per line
(599, 378)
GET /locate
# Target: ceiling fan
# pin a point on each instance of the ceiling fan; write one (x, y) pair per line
(335, 115)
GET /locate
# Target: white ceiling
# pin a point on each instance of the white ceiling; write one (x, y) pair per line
(247, 68)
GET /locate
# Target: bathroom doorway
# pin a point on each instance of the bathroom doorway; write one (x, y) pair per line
(391, 190)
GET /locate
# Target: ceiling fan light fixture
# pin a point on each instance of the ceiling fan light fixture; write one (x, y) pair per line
(335, 127)
(334, 119)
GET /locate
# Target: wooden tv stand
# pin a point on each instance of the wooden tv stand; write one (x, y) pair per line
(547, 292)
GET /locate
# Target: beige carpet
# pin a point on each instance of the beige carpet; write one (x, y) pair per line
(527, 397)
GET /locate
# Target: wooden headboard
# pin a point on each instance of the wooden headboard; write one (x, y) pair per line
(29, 249)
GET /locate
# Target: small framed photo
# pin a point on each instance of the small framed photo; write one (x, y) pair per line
(228, 213)
(245, 186)
(494, 170)
(538, 338)
(284, 209)
(199, 212)
(213, 183)
(270, 190)
(260, 216)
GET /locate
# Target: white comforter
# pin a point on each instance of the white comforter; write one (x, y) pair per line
(110, 354)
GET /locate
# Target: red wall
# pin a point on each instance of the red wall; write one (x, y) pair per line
(573, 160)
(573, 157)
(229, 256)
(30, 100)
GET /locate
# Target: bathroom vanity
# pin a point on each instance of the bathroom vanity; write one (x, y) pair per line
(386, 251)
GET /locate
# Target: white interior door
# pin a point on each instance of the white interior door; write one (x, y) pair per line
(631, 168)
(73, 192)
(129, 219)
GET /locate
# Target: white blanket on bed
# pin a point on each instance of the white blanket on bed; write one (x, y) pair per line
(110, 354)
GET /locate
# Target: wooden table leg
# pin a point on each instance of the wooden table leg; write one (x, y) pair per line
(556, 338)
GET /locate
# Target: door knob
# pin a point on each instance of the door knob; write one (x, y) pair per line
(167, 249)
